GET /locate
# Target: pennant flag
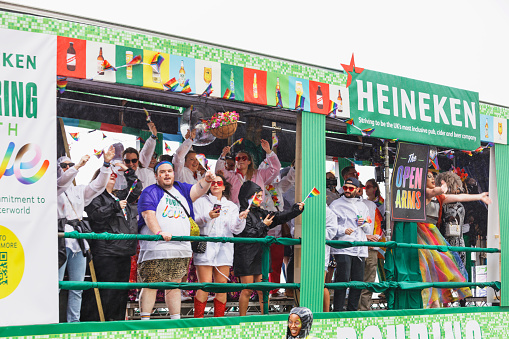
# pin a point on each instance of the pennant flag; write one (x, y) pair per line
(434, 161)
(367, 132)
(468, 152)
(75, 136)
(171, 85)
(104, 136)
(332, 114)
(107, 66)
(314, 193)
(349, 122)
(479, 149)
(98, 153)
(228, 94)
(237, 142)
(157, 61)
(167, 148)
(140, 140)
(61, 84)
(148, 115)
(299, 102)
(208, 91)
(333, 107)
(279, 100)
(186, 88)
(135, 61)
(489, 145)
(275, 141)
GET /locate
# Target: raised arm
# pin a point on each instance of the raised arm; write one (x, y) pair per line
(179, 158)
(288, 181)
(449, 198)
(96, 187)
(202, 186)
(68, 176)
(148, 149)
(221, 165)
(269, 173)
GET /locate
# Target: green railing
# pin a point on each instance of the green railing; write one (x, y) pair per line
(265, 286)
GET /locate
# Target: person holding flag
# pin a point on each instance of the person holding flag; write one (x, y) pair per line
(256, 222)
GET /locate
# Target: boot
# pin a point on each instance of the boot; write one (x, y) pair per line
(199, 308)
(219, 308)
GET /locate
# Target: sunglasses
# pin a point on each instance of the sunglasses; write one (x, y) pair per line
(242, 158)
(67, 164)
(217, 183)
(349, 188)
(128, 161)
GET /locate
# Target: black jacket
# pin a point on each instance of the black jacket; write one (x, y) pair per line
(247, 257)
(105, 215)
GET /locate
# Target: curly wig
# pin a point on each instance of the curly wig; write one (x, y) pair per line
(452, 180)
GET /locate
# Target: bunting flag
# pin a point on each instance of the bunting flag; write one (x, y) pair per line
(349, 122)
(237, 142)
(434, 161)
(479, 149)
(489, 145)
(279, 100)
(275, 141)
(299, 102)
(228, 94)
(367, 132)
(273, 194)
(468, 152)
(208, 91)
(107, 66)
(98, 153)
(157, 61)
(333, 107)
(104, 136)
(186, 88)
(332, 114)
(148, 115)
(61, 84)
(75, 136)
(135, 61)
(171, 85)
(167, 148)
(449, 154)
(140, 140)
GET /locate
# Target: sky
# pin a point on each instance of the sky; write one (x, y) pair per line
(459, 44)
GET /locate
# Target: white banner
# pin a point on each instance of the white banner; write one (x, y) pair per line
(28, 210)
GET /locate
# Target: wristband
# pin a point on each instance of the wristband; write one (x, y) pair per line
(221, 158)
(153, 136)
(159, 232)
(106, 164)
(208, 182)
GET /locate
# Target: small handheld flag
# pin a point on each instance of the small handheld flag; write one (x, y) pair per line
(133, 186)
(237, 142)
(148, 115)
(254, 200)
(171, 85)
(275, 141)
(314, 193)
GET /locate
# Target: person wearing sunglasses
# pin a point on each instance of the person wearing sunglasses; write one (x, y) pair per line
(348, 172)
(187, 166)
(70, 206)
(245, 169)
(217, 216)
(139, 161)
(354, 223)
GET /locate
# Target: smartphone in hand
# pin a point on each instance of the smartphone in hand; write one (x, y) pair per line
(217, 207)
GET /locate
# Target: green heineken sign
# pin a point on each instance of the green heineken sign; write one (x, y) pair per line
(412, 110)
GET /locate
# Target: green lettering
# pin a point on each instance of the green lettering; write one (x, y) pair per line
(6, 98)
(31, 62)
(0, 99)
(17, 99)
(31, 100)
(6, 60)
(19, 60)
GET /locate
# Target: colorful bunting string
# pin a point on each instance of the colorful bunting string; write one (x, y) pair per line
(349, 122)
(171, 85)
(61, 84)
(75, 136)
(135, 61)
(367, 132)
(107, 66)
(208, 91)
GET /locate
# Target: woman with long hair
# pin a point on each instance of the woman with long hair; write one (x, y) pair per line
(441, 266)
(217, 217)
(245, 169)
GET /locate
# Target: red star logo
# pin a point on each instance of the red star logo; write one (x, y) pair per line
(351, 68)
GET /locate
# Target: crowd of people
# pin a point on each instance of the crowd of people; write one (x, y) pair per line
(179, 196)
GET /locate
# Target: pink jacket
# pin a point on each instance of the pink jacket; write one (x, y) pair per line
(261, 177)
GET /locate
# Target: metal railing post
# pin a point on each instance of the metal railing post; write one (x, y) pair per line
(265, 274)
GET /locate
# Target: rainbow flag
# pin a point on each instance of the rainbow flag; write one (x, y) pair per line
(489, 145)
(98, 153)
(349, 122)
(378, 223)
(157, 61)
(275, 141)
(449, 154)
(186, 88)
(332, 114)
(237, 142)
(479, 149)
(61, 84)
(148, 115)
(107, 66)
(75, 136)
(434, 161)
(133, 185)
(228, 94)
(167, 148)
(367, 132)
(254, 200)
(140, 140)
(314, 193)
(299, 102)
(279, 100)
(104, 136)
(333, 107)
(468, 152)
(208, 91)
(135, 61)
(171, 85)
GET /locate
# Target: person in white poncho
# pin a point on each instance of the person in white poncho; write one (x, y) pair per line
(217, 217)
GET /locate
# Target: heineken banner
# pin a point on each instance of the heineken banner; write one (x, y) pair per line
(28, 210)
(408, 183)
(412, 110)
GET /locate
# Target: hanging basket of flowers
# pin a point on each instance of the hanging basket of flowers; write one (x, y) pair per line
(222, 125)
